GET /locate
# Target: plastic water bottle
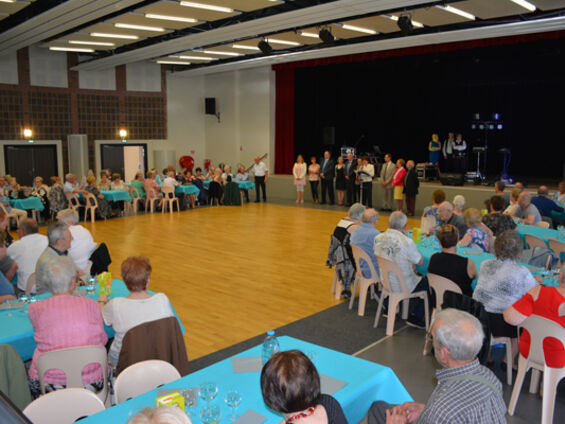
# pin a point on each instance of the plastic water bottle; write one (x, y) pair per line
(270, 346)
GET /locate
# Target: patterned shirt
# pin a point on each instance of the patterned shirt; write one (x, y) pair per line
(479, 239)
(465, 401)
(498, 223)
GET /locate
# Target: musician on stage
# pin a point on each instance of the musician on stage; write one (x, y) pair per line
(447, 151)
(460, 153)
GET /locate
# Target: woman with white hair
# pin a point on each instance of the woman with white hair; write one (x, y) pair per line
(82, 244)
(458, 205)
(165, 414)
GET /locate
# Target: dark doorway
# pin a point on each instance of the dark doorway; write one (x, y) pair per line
(112, 157)
(27, 162)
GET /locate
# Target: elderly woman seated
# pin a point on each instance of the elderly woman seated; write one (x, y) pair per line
(124, 313)
(438, 197)
(502, 282)
(478, 235)
(496, 220)
(290, 385)
(64, 321)
(104, 208)
(458, 204)
(462, 271)
(82, 244)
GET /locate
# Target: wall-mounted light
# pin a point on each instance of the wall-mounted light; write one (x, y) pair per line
(28, 133)
(123, 134)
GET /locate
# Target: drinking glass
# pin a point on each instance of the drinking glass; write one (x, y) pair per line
(208, 391)
(91, 285)
(210, 414)
(233, 399)
(190, 400)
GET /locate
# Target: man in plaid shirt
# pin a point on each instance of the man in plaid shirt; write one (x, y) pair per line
(467, 392)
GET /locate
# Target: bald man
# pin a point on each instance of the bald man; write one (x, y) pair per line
(527, 212)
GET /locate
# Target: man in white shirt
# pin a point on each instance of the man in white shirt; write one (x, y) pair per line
(260, 175)
(387, 171)
(447, 150)
(170, 180)
(26, 251)
(366, 175)
(396, 246)
(82, 244)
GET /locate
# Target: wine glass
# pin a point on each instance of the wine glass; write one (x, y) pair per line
(208, 390)
(190, 400)
(233, 399)
(210, 414)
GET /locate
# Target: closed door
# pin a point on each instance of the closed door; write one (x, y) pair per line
(27, 162)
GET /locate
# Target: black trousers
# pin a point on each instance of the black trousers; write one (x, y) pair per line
(314, 188)
(367, 194)
(350, 191)
(328, 185)
(260, 185)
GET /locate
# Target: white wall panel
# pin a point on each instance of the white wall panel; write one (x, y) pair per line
(143, 76)
(47, 68)
(97, 80)
(9, 69)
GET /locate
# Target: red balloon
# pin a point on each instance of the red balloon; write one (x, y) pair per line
(187, 162)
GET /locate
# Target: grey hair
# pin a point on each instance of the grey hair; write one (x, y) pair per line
(68, 216)
(59, 271)
(445, 206)
(411, 162)
(459, 201)
(56, 232)
(543, 191)
(508, 245)
(370, 216)
(397, 220)
(68, 176)
(460, 332)
(356, 211)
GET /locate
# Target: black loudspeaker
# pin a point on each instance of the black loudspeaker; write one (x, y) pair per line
(452, 179)
(326, 36)
(265, 47)
(405, 24)
(329, 136)
(210, 105)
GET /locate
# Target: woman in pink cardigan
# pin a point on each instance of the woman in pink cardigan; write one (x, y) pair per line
(398, 183)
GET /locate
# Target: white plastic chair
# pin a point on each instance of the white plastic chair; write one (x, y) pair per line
(362, 282)
(507, 342)
(135, 198)
(387, 267)
(63, 406)
(91, 205)
(142, 377)
(169, 199)
(73, 201)
(337, 285)
(150, 199)
(10, 215)
(533, 241)
(543, 224)
(539, 328)
(558, 247)
(72, 361)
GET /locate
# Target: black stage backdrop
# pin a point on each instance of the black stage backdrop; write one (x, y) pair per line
(397, 103)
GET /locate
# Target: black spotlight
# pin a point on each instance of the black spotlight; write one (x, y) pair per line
(265, 47)
(326, 36)
(405, 24)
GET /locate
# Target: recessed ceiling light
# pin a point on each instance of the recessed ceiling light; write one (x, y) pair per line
(308, 34)
(72, 49)
(169, 18)
(194, 57)
(91, 43)
(456, 11)
(525, 4)
(395, 18)
(206, 6)
(106, 35)
(244, 47)
(358, 29)
(277, 41)
(140, 27)
(7, 1)
(172, 62)
(221, 52)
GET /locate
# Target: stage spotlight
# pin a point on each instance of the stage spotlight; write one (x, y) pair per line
(405, 24)
(265, 47)
(326, 36)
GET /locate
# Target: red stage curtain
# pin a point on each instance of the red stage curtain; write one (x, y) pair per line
(284, 122)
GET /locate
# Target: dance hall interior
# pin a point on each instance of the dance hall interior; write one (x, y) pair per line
(266, 211)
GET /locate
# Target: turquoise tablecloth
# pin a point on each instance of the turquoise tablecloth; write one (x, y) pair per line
(243, 185)
(543, 233)
(16, 328)
(366, 382)
(31, 202)
(187, 189)
(116, 195)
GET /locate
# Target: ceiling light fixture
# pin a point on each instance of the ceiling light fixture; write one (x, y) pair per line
(358, 29)
(206, 6)
(140, 27)
(221, 52)
(277, 41)
(7, 1)
(309, 34)
(107, 35)
(525, 4)
(169, 18)
(172, 62)
(71, 49)
(395, 18)
(92, 43)
(194, 57)
(244, 47)
(456, 11)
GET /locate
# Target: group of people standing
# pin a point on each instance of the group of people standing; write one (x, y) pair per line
(453, 150)
(354, 181)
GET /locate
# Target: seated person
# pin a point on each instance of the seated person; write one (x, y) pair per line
(227, 176)
(13, 191)
(364, 237)
(211, 173)
(117, 183)
(104, 208)
(438, 197)
(462, 271)
(242, 175)
(165, 414)
(458, 205)
(198, 174)
(547, 302)
(105, 183)
(290, 385)
(151, 187)
(513, 207)
(82, 243)
(8, 266)
(496, 220)
(20, 214)
(64, 321)
(546, 206)
(446, 216)
(560, 198)
(71, 185)
(124, 313)
(41, 191)
(396, 246)
(502, 282)
(138, 184)
(526, 211)
(478, 235)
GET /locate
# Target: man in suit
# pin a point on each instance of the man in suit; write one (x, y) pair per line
(387, 171)
(350, 178)
(327, 174)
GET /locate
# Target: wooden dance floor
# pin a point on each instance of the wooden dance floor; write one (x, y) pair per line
(231, 273)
